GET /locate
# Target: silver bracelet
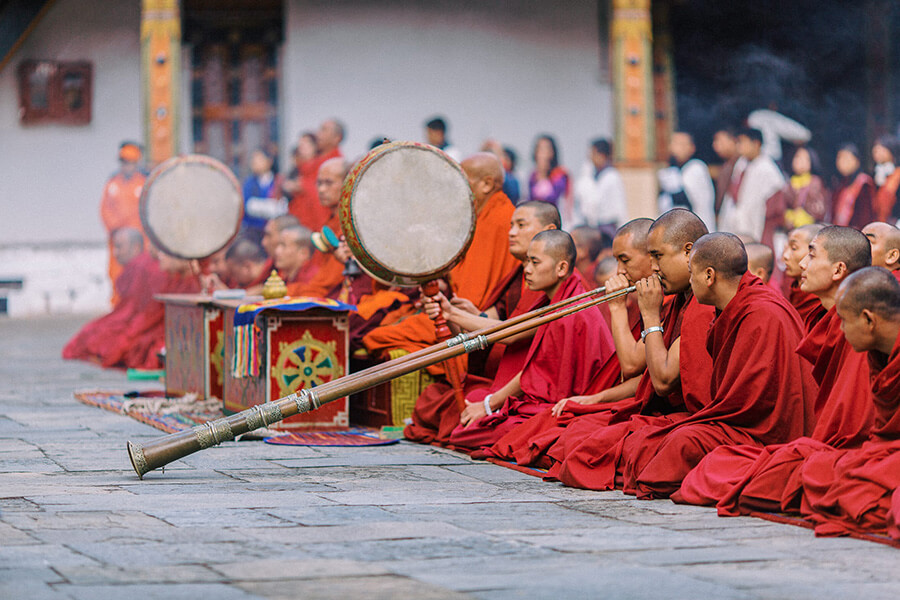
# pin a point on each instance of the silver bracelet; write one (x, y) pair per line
(650, 330)
(487, 404)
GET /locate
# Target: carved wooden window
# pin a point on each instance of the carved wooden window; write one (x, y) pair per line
(55, 92)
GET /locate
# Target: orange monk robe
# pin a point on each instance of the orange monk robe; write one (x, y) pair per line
(436, 413)
(486, 263)
(855, 490)
(529, 442)
(119, 208)
(303, 276)
(742, 479)
(305, 204)
(593, 462)
(138, 282)
(328, 271)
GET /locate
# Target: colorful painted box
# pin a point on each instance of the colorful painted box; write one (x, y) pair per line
(195, 346)
(297, 350)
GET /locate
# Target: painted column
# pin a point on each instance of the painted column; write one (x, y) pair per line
(632, 69)
(665, 117)
(160, 71)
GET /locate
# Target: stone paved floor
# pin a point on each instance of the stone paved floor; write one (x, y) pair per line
(251, 520)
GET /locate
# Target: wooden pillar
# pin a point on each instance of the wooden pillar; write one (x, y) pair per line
(160, 73)
(666, 115)
(631, 38)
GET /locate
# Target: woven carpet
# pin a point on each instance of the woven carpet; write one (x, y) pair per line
(154, 409)
(354, 437)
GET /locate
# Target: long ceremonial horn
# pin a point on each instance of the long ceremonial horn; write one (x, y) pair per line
(171, 447)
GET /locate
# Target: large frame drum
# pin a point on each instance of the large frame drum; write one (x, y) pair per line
(407, 213)
(191, 206)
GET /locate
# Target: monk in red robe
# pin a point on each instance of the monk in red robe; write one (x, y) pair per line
(312, 153)
(294, 258)
(247, 265)
(145, 337)
(760, 261)
(436, 413)
(885, 241)
(528, 443)
(851, 490)
(139, 280)
(795, 250)
(562, 358)
(327, 270)
(486, 263)
(679, 367)
(743, 478)
(119, 205)
(760, 390)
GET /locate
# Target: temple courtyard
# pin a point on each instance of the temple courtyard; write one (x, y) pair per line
(254, 520)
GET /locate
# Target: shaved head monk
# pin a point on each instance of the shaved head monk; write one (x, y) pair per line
(574, 417)
(766, 401)
(679, 368)
(436, 413)
(327, 270)
(795, 250)
(272, 232)
(588, 246)
(562, 358)
(293, 258)
(885, 241)
(760, 260)
(853, 490)
(247, 262)
(743, 478)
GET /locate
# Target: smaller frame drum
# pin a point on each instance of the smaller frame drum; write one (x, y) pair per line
(191, 206)
(407, 213)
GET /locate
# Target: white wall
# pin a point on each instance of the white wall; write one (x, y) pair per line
(507, 70)
(52, 176)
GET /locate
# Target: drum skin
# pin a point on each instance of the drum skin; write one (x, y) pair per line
(191, 206)
(407, 213)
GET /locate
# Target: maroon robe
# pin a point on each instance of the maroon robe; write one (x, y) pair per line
(528, 443)
(592, 462)
(852, 202)
(762, 393)
(139, 281)
(807, 305)
(436, 413)
(562, 359)
(741, 479)
(145, 336)
(854, 490)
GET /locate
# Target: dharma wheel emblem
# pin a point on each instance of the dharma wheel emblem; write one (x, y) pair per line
(306, 363)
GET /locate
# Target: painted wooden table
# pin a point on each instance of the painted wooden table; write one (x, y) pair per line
(194, 345)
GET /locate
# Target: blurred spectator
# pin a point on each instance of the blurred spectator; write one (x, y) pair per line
(725, 146)
(436, 135)
(599, 190)
(806, 197)
(887, 178)
(686, 182)
(262, 195)
(852, 201)
(549, 182)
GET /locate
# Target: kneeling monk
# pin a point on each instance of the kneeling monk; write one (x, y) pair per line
(561, 360)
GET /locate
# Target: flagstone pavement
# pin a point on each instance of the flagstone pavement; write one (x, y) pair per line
(252, 520)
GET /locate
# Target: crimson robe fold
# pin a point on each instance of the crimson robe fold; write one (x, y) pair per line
(856, 490)
(563, 358)
(740, 480)
(762, 393)
(591, 462)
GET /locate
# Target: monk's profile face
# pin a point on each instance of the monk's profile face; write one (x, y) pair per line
(290, 254)
(857, 328)
(523, 226)
(124, 250)
(634, 264)
(216, 264)
(700, 280)
(795, 250)
(542, 271)
(328, 184)
(817, 272)
(270, 238)
(669, 262)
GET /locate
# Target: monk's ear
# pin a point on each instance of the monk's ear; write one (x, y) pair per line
(710, 276)
(892, 258)
(562, 269)
(868, 318)
(839, 271)
(687, 248)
